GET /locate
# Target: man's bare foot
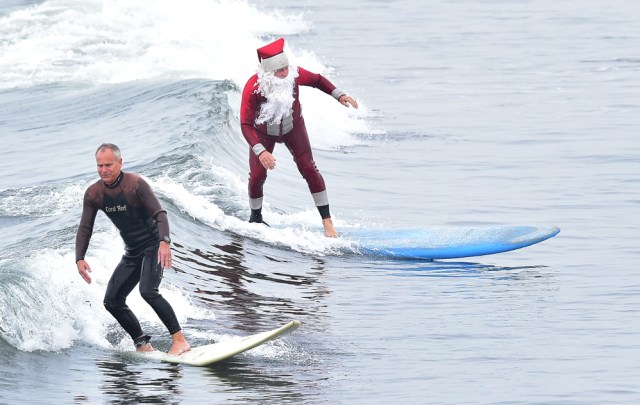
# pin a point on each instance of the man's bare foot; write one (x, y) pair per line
(146, 347)
(180, 344)
(329, 230)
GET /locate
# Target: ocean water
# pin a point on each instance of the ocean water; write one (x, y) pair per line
(473, 113)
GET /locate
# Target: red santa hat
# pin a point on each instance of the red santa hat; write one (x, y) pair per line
(272, 56)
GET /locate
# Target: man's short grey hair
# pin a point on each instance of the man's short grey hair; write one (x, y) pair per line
(114, 149)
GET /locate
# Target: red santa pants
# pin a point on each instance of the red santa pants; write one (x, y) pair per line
(297, 141)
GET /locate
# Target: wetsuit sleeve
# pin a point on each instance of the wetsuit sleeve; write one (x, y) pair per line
(85, 229)
(318, 81)
(153, 207)
(248, 110)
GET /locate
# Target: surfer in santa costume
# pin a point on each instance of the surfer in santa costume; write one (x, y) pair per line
(270, 113)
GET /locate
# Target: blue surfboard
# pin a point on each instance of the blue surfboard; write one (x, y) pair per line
(446, 243)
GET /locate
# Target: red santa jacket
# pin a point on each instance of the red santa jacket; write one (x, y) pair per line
(252, 99)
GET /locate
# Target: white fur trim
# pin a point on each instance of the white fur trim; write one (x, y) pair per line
(275, 62)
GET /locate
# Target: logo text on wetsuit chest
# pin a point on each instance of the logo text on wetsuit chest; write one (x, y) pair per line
(115, 208)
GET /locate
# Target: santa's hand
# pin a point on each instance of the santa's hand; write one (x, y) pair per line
(267, 160)
(346, 100)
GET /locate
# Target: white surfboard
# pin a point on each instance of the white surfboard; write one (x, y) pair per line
(209, 354)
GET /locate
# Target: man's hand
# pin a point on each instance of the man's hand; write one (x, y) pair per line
(164, 255)
(346, 100)
(267, 160)
(84, 270)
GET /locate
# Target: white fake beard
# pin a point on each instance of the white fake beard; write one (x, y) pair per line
(279, 95)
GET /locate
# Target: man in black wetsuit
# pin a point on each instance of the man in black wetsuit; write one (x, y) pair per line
(133, 208)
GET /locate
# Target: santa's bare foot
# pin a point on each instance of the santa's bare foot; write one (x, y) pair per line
(329, 230)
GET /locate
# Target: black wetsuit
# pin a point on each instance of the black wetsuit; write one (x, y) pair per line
(134, 209)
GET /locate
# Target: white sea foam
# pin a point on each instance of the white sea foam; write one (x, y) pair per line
(122, 40)
(299, 231)
(52, 307)
(92, 42)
